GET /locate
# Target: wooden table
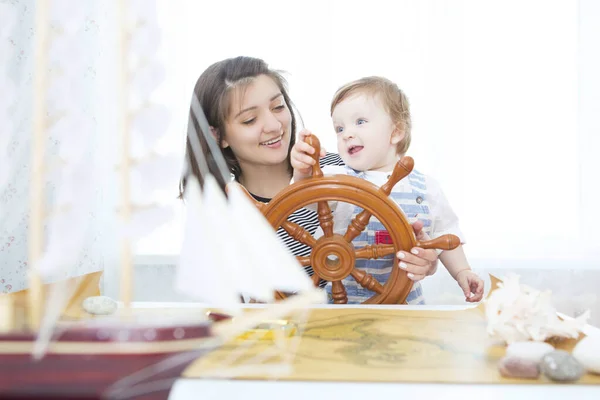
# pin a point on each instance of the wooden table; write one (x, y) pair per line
(336, 365)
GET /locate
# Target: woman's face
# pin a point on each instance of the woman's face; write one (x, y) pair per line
(259, 124)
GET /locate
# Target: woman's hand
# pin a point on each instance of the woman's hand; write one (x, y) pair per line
(419, 262)
(301, 156)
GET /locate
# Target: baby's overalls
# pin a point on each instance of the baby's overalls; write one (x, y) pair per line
(410, 195)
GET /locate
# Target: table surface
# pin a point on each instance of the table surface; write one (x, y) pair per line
(295, 389)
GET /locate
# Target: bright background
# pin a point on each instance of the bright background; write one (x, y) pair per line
(504, 94)
(501, 92)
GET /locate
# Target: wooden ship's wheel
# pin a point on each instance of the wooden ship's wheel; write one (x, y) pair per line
(333, 255)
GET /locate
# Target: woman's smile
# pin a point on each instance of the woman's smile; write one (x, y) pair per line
(273, 143)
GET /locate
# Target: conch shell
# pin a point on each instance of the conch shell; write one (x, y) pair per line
(517, 312)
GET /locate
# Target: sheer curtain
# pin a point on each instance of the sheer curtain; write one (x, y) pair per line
(89, 79)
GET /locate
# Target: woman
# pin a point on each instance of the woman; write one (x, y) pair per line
(250, 115)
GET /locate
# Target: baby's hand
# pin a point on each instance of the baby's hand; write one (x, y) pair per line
(471, 284)
(301, 156)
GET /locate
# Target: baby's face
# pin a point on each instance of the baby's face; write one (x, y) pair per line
(367, 136)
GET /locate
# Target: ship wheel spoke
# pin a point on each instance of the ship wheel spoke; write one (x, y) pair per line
(315, 278)
(303, 260)
(367, 281)
(357, 225)
(338, 292)
(375, 251)
(325, 218)
(299, 233)
(401, 171)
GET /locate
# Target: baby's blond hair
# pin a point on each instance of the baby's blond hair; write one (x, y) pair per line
(393, 98)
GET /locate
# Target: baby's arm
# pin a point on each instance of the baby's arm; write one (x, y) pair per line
(445, 221)
(457, 265)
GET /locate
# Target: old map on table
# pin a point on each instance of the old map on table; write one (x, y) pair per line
(385, 345)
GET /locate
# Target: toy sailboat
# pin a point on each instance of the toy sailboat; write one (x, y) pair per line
(43, 356)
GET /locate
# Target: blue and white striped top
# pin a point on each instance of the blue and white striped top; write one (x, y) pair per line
(419, 198)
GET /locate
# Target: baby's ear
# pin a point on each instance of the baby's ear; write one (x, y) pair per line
(397, 135)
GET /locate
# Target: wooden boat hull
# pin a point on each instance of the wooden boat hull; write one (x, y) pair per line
(73, 377)
(100, 363)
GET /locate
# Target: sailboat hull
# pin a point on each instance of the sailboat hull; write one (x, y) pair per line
(137, 363)
(79, 377)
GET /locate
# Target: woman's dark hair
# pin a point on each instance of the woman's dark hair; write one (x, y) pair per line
(213, 90)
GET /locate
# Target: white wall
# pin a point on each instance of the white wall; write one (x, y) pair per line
(501, 93)
(588, 122)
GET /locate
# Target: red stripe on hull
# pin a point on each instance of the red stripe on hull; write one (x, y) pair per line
(71, 377)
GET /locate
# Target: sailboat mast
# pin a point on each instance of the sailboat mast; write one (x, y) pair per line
(38, 148)
(126, 264)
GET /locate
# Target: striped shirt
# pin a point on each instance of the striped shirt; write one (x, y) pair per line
(305, 218)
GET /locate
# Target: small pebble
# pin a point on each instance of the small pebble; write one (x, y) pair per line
(587, 352)
(513, 367)
(560, 366)
(100, 305)
(530, 351)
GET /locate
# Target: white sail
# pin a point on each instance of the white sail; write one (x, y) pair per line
(202, 272)
(71, 171)
(60, 93)
(229, 253)
(270, 262)
(230, 249)
(64, 96)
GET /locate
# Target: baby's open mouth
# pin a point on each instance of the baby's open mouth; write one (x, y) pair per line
(354, 149)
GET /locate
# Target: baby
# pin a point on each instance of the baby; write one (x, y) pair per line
(371, 118)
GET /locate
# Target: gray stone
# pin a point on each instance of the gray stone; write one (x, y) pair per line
(100, 305)
(561, 366)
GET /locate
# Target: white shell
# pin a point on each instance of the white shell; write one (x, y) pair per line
(587, 352)
(100, 305)
(517, 312)
(530, 351)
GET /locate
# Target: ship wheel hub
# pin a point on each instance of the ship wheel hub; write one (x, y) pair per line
(333, 258)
